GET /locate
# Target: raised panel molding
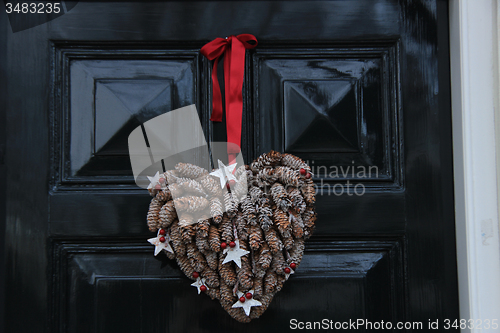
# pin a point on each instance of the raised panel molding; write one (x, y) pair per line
(336, 107)
(101, 94)
(344, 276)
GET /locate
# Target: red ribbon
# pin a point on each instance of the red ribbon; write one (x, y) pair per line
(233, 48)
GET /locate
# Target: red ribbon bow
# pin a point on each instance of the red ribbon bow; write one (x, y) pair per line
(233, 48)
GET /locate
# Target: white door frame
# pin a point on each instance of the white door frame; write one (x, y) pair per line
(474, 49)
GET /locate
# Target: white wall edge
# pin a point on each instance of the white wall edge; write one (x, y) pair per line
(474, 85)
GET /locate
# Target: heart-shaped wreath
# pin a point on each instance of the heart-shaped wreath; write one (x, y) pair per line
(250, 238)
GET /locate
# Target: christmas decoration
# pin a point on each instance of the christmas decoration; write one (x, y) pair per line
(200, 284)
(161, 243)
(245, 303)
(238, 245)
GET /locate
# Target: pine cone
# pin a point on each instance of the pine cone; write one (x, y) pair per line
(175, 190)
(176, 237)
(226, 293)
(240, 190)
(309, 191)
(227, 272)
(287, 176)
(297, 200)
(197, 259)
(203, 245)
(153, 214)
(297, 225)
(211, 185)
(297, 251)
(278, 263)
(193, 187)
(294, 162)
(191, 204)
(164, 195)
(268, 159)
(288, 242)
(255, 194)
(241, 226)
(226, 229)
(211, 278)
(259, 271)
(280, 197)
(190, 170)
(264, 256)
(258, 287)
(214, 238)
(202, 228)
(212, 260)
(282, 222)
(213, 293)
(266, 176)
(185, 266)
(248, 209)
(186, 220)
(273, 240)
(167, 214)
(245, 277)
(256, 237)
(265, 216)
(270, 282)
(187, 232)
(281, 281)
(216, 209)
(309, 218)
(229, 204)
(171, 176)
(240, 171)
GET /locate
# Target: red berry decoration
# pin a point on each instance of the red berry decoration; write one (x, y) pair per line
(196, 275)
(162, 239)
(232, 182)
(228, 187)
(157, 187)
(242, 299)
(287, 270)
(162, 180)
(248, 295)
(293, 265)
(203, 288)
(232, 244)
(162, 232)
(308, 176)
(223, 245)
(302, 171)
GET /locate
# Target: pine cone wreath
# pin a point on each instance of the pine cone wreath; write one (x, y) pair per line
(238, 244)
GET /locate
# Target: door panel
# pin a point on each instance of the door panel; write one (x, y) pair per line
(342, 84)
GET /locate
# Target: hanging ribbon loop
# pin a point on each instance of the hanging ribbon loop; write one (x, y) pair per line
(233, 48)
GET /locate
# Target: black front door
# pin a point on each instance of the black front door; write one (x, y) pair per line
(360, 89)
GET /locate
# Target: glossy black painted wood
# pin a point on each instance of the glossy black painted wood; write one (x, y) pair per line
(3, 165)
(340, 83)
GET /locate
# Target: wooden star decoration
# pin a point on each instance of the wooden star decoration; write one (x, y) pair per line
(155, 180)
(224, 173)
(247, 304)
(159, 245)
(198, 283)
(235, 254)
